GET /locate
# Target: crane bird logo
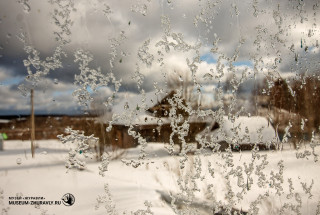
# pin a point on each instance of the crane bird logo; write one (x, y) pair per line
(68, 199)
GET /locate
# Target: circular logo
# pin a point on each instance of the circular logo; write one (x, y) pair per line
(68, 199)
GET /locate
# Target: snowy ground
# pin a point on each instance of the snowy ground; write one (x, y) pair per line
(45, 176)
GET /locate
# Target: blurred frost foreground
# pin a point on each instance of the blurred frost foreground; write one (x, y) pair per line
(224, 60)
(286, 183)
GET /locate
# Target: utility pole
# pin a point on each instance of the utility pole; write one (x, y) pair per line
(32, 125)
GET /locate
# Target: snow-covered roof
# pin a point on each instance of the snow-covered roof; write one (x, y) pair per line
(4, 120)
(254, 129)
(133, 110)
(149, 100)
(150, 120)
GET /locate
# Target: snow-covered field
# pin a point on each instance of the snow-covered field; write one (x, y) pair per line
(46, 176)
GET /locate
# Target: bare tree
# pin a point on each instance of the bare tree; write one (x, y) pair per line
(183, 81)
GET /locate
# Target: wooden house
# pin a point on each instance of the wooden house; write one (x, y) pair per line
(149, 115)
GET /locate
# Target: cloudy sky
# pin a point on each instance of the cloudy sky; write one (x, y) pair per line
(147, 40)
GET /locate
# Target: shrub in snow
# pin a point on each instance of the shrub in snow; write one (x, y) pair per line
(79, 147)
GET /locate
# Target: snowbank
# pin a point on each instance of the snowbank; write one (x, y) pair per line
(243, 130)
(130, 187)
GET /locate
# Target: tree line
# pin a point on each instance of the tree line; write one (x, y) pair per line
(300, 97)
